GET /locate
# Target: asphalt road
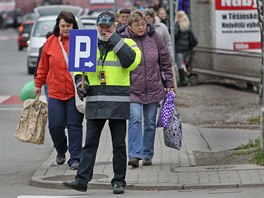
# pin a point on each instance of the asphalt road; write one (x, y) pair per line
(18, 161)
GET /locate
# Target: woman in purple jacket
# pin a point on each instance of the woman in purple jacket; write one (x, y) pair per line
(147, 87)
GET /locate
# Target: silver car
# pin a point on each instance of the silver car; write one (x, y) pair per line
(89, 23)
(44, 23)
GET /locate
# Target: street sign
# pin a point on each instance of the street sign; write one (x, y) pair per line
(83, 48)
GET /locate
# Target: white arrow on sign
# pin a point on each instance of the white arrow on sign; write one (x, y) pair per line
(88, 64)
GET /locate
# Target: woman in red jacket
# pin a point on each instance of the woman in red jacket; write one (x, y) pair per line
(62, 112)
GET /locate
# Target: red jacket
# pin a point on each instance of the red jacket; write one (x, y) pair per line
(53, 70)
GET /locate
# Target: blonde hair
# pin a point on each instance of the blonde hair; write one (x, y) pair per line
(183, 20)
(135, 16)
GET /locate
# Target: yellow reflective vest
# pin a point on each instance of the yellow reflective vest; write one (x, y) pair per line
(110, 100)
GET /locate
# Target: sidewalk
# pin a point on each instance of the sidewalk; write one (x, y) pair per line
(171, 169)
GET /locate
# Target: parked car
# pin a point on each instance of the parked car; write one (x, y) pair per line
(29, 17)
(45, 22)
(89, 23)
(24, 34)
(11, 18)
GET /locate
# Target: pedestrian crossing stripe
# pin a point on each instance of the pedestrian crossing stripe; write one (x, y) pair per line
(16, 100)
(36, 196)
(3, 98)
(11, 100)
(6, 38)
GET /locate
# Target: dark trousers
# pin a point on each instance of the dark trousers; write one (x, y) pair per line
(62, 114)
(93, 133)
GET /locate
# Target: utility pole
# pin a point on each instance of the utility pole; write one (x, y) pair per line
(115, 6)
(172, 19)
(260, 8)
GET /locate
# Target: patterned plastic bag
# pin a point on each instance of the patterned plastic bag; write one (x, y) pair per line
(166, 110)
(173, 134)
(33, 120)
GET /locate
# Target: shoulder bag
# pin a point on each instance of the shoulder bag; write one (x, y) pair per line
(193, 41)
(162, 74)
(80, 105)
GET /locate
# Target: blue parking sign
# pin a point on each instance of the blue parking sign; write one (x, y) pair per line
(83, 48)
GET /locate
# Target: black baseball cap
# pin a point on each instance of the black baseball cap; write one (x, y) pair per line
(125, 11)
(105, 18)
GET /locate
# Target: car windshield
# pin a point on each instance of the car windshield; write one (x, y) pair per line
(27, 28)
(43, 27)
(89, 26)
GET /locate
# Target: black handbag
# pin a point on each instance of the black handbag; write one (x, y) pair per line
(193, 41)
(162, 74)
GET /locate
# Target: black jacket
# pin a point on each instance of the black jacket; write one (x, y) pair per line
(181, 39)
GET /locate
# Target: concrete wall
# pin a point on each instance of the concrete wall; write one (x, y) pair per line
(216, 62)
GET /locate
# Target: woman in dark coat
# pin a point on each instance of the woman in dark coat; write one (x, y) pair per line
(182, 29)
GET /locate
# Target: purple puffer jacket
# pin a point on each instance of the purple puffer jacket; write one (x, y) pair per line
(146, 83)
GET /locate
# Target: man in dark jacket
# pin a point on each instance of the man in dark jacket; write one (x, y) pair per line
(107, 94)
(122, 16)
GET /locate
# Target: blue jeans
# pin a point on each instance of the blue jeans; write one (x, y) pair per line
(179, 58)
(62, 114)
(141, 145)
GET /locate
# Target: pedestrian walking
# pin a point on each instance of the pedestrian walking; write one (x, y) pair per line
(181, 37)
(147, 87)
(163, 16)
(62, 111)
(36, 69)
(160, 28)
(122, 16)
(107, 93)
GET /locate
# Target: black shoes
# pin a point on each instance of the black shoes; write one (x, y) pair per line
(74, 166)
(60, 159)
(147, 162)
(134, 162)
(75, 185)
(118, 189)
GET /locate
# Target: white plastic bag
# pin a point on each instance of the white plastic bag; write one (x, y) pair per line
(80, 105)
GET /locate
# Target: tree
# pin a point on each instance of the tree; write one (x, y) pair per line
(260, 4)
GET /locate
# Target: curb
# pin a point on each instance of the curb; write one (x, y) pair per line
(102, 181)
(40, 182)
(253, 127)
(182, 175)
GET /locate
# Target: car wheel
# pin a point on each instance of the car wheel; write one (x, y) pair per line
(20, 48)
(31, 70)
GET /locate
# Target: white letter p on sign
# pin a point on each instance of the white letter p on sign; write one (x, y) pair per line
(85, 42)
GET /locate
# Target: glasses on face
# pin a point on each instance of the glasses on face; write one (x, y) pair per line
(139, 25)
(104, 26)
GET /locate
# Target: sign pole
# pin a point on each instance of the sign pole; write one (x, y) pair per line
(83, 52)
(261, 23)
(83, 78)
